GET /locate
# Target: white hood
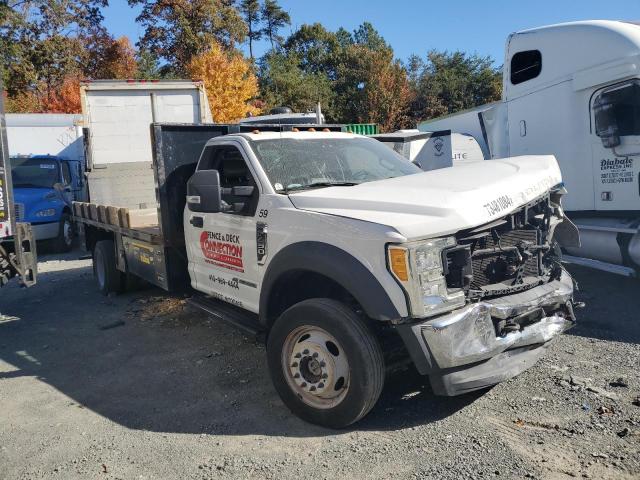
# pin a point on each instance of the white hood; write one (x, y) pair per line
(440, 202)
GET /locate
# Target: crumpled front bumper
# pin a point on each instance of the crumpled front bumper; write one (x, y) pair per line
(462, 351)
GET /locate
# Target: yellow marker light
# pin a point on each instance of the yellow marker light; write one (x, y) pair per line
(398, 263)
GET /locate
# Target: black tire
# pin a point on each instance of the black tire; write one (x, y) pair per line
(64, 241)
(108, 277)
(359, 343)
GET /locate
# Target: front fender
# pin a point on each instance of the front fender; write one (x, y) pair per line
(336, 264)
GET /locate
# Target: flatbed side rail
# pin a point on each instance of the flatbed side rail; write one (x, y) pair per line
(114, 219)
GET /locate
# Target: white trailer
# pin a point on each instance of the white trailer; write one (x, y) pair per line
(117, 117)
(54, 134)
(573, 90)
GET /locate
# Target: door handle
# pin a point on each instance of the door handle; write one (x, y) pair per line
(197, 222)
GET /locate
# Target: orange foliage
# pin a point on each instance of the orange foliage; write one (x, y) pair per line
(65, 99)
(229, 80)
(119, 60)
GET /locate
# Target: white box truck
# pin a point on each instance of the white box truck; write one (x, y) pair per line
(573, 90)
(117, 115)
(55, 134)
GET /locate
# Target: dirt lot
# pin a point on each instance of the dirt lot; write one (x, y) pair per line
(140, 386)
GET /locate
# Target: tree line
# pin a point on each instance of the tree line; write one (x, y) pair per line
(48, 46)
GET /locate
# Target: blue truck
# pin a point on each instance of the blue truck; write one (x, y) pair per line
(44, 187)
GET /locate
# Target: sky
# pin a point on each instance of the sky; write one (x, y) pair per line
(414, 26)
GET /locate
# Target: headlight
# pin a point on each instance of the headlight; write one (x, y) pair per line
(49, 212)
(418, 268)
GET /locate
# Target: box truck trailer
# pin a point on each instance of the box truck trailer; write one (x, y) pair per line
(573, 90)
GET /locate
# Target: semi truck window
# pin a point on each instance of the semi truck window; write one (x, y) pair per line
(624, 108)
(525, 66)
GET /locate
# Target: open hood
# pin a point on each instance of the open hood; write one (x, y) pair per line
(439, 202)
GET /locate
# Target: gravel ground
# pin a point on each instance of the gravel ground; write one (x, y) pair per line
(141, 386)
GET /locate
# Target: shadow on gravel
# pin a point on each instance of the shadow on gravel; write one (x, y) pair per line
(171, 371)
(612, 303)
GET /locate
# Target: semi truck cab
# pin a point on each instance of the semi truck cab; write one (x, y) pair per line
(572, 90)
(44, 188)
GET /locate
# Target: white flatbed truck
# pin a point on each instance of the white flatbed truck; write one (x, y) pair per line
(345, 257)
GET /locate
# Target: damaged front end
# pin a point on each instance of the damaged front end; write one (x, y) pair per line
(518, 298)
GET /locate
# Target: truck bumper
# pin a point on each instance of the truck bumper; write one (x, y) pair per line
(45, 231)
(467, 349)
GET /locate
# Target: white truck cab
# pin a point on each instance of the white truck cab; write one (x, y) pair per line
(348, 259)
(572, 90)
(333, 240)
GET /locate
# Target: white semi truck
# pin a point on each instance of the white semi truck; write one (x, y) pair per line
(347, 259)
(572, 90)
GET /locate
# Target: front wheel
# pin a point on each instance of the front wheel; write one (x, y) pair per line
(64, 241)
(325, 363)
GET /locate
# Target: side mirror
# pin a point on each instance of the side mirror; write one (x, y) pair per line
(204, 193)
(242, 191)
(606, 121)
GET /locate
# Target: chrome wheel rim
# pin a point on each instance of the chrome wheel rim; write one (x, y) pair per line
(316, 367)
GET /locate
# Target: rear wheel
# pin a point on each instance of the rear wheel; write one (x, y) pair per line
(325, 363)
(108, 277)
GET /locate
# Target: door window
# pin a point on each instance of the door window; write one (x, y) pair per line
(234, 172)
(66, 173)
(622, 109)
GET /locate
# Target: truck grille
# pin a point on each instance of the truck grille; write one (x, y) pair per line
(18, 211)
(493, 262)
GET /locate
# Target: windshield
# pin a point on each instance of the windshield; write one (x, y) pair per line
(296, 164)
(34, 172)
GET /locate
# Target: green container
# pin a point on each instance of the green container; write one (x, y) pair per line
(363, 128)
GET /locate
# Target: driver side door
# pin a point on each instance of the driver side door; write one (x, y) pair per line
(222, 246)
(616, 170)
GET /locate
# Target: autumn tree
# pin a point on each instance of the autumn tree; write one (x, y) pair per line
(176, 30)
(251, 11)
(108, 57)
(41, 41)
(274, 19)
(65, 99)
(373, 88)
(229, 81)
(354, 75)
